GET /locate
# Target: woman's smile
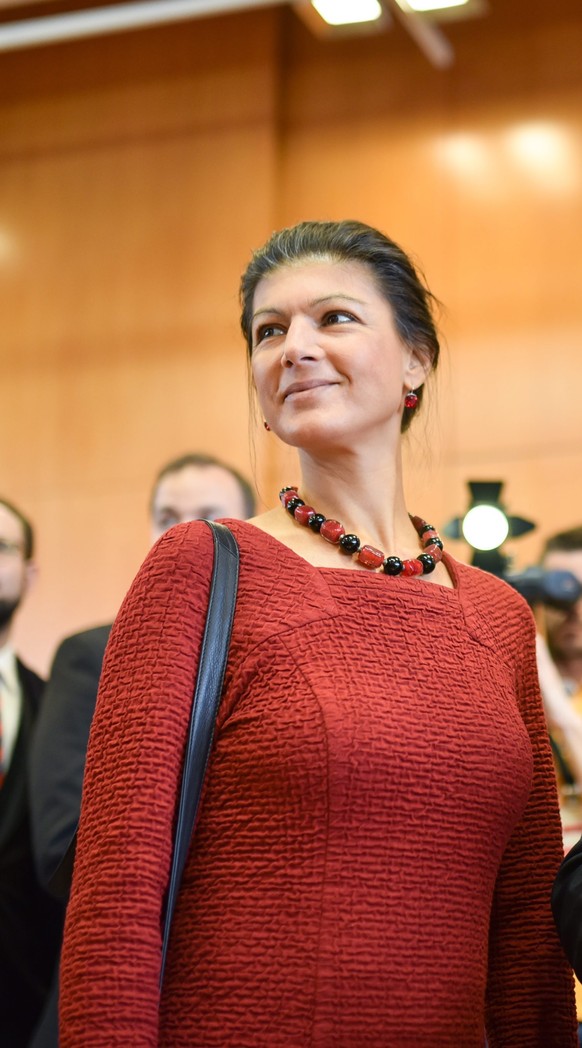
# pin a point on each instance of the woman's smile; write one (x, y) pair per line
(300, 390)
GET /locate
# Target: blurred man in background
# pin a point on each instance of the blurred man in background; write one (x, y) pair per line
(560, 662)
(192, 487)
(564, 628)
(29, 919)
(560, 672)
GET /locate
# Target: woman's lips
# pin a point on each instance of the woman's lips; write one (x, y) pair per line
(297, 388)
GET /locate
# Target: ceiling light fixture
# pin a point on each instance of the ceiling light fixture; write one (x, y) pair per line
(443, 10)
(431, 5)
(348, 12)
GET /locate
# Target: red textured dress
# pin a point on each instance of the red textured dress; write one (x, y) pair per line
(379, 833)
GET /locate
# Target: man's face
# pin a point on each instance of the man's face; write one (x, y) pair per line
(14, 569)
(195, 492)
(565, 627)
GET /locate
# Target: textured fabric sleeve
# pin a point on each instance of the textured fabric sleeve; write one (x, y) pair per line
(111, 953)
(567, 906)
(59, 746)
(530, 988)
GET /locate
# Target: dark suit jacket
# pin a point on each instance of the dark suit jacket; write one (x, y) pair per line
(567, 906)
(30, 921)
(57, 764)
(59, 746)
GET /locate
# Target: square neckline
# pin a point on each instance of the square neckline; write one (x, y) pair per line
(421, 587)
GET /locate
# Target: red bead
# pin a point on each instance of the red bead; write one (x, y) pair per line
(332, 530)
(370, 557)
(432, 533)
(303, 514)
(286, 496)
(412, 567)
(410, 400)
(418, 522)
(434, 551)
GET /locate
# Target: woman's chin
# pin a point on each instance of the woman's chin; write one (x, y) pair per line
(315, 436)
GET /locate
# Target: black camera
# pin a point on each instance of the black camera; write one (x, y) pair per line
(560, 589)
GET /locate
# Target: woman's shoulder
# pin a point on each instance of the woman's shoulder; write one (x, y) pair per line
(494, 610)
(183, 550)
(193, 543)
(269, 569)
(484, 585)
(196, 534)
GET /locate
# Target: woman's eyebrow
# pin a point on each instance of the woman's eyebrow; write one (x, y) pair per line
(336, 295)
(267, 309)
(273, 311)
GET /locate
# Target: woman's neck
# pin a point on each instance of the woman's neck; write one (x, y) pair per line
(368, 498)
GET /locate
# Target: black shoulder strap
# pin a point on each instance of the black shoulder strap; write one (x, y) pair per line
(207, 692)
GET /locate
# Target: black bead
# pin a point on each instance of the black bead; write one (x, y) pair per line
(425, 527)
(392, 566)
(293, 504)
(349, 544)
(428, 563)
(316, 521)
(434, 542)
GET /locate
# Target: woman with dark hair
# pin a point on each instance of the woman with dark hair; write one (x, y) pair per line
(379, 832)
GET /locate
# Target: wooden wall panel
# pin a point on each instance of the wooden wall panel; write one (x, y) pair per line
(128, 211)
(479, 173)
(137, 172)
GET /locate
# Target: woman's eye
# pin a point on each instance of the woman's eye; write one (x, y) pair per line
(267, 331)
(338, 316)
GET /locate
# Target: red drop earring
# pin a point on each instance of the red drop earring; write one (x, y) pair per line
(411, 400)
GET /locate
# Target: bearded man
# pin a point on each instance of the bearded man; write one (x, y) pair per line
(30, 920)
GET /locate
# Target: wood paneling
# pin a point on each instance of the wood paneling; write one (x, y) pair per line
(128, 209)
(479, 173)
(138, 171)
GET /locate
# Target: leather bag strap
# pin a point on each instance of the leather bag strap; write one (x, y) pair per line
(207, 693)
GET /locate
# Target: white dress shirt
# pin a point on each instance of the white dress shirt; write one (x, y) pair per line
(10, 702)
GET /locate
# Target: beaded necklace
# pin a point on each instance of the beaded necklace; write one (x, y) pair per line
(368, 556)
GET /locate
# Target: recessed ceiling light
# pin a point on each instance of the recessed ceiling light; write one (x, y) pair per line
(432, 5)
(348, 12)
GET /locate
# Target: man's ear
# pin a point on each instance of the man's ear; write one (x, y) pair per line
(30, 575)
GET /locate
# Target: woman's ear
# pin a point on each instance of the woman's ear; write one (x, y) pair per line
(418, 368)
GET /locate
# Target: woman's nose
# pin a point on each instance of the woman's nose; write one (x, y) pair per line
(301, 342)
